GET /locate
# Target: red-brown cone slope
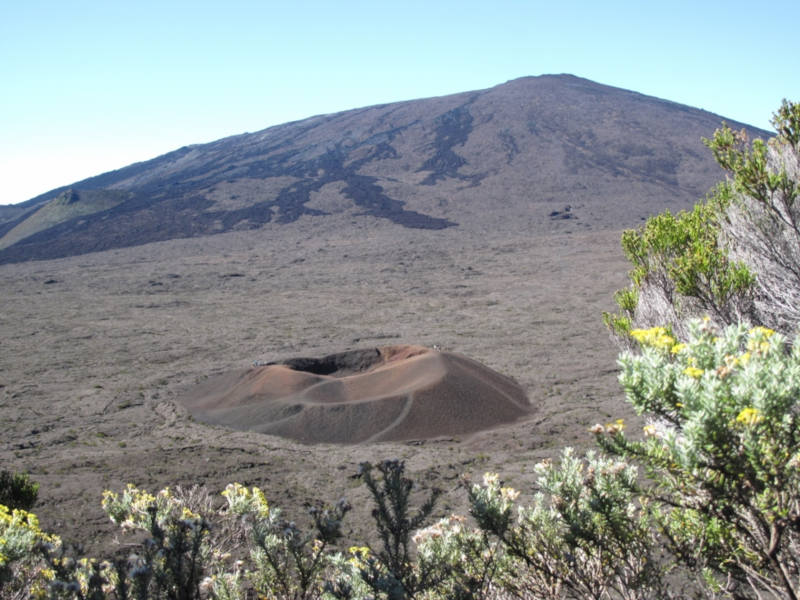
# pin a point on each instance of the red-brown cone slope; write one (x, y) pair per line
(390, 393)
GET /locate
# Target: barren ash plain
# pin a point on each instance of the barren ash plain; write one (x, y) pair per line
(99, 348)
(105, 353)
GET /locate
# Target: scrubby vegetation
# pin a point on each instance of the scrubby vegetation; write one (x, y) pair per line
(17, 490)
(704, 502)
(736, 256)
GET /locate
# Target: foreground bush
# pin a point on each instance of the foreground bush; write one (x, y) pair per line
(185, 549)
(736, 256)
(21, 569)
(586, 535)
(681, 270)
(287, 562)
(723, 450)
(390, 568)
(17, 490)
(762, 224)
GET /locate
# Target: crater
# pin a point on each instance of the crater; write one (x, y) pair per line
(388, 393)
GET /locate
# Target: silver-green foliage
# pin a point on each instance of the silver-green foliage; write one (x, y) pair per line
(586, 534)
(287, 561)
(722, 449)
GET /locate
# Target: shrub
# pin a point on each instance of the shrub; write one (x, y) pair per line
(17, 490)
(723, 450)
(172, 560)
(761, 227)
(21, 569)
(179, 558)
(390, 570)
(288, 563)
(468, 563)
(586, 535)
(680, 271)
(735, 256)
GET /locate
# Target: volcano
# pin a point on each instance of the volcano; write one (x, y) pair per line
(391, 393)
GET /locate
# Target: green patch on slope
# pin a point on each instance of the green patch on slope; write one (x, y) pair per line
(64, 207)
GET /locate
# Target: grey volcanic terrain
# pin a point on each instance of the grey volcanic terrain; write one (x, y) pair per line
(532, 152)
(485, 223)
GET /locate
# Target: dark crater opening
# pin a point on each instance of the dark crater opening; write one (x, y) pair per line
(338, 365)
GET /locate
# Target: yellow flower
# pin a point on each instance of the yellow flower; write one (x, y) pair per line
(358, 556)
(758, 340)
(242, 500)
(233, 489)
(187, 514)
(649, 430)
(261, 502)
(678, 348)
(491, 479)
(655, 337)
(693, 372)
(361, 551)
(509, 494)
(749, 416)
(763, 331)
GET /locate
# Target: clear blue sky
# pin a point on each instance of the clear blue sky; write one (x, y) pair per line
(93, 85)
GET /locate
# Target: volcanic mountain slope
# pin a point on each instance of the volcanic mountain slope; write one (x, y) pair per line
(545, 153)
(382, 394)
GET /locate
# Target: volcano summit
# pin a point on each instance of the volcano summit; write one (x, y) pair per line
(546, 153)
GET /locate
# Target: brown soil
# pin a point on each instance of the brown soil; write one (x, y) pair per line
(98, 350)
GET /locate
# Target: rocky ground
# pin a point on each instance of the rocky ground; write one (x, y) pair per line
(96, 349)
